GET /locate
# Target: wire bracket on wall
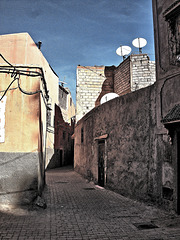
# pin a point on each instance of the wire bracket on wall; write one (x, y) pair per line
(17, 71)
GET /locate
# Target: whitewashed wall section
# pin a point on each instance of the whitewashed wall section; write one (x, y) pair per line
(2, 119)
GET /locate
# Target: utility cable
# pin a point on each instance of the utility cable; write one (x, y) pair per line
(25, 92)
(8, 88)
(16, 70)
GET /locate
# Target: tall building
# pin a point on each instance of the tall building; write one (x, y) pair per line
(28, 93)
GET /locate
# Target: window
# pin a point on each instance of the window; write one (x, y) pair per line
(82, 135)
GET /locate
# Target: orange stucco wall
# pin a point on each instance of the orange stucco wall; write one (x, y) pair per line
(22, 111)
(21, 116)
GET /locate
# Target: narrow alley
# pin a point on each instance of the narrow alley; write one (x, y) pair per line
(77, 209)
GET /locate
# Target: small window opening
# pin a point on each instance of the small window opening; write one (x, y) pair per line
(167, 193)
(82, 135)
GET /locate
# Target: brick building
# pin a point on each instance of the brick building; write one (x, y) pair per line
(88, 86)
(135, 72)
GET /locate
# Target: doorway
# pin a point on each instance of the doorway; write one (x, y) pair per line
(60, 157)
(101, 162)
(178, 172)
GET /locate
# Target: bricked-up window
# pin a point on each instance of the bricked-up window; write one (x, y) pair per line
(172, 16)
(82, 135)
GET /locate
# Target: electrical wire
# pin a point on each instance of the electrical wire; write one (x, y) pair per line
(16, 72)
(25, 92)
(7, 88)
(5, 60)
(18, 69)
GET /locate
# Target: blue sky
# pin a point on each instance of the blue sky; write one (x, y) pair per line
(85, 32)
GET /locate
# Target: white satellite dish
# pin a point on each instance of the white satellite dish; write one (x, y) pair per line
(108, 97)
(139, 43)
(123, 51)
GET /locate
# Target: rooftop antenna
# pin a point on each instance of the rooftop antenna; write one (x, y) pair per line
(62, 82)
(39, 44)
(123, 51)
(139, 43)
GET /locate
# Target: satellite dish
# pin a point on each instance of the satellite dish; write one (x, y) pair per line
(139, 43)
(108, 97)
(123, 51)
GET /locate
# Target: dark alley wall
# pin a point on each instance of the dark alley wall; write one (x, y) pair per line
(129, 124)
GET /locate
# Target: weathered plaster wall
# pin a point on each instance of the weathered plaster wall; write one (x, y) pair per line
(25, 122)
(20, 49)
(139, 153)
(19, 153)
(164, 48)
(129, 122)
(167, 93)
(19, 177)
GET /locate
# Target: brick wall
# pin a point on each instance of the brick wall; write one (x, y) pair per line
(122, 78)
(142, 71)
(88, 87)
(135, 72)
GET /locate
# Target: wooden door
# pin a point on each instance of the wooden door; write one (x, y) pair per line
(101, 161)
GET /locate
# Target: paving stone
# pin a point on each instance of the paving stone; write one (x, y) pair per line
(75, 211)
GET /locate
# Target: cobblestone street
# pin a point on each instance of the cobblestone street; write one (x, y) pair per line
(77, 209)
